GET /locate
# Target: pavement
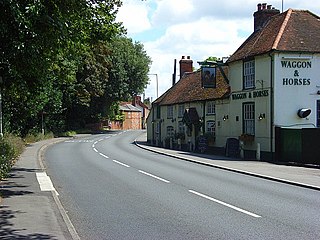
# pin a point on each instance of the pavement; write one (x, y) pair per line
(308, 177)
(26, 211)
(30, 212)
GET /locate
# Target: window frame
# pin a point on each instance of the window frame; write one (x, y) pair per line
(249, 73)
(170, 131)
(248, 118)
(318, 113)
(211, 105)
(181, 127)
(208, 130)
(180, 110)
(169, 111)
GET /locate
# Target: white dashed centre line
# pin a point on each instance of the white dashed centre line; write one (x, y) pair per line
(225, 204)
(105, 156)
(153, 176)
(120, 163)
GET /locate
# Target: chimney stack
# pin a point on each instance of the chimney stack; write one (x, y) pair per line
(186, 65)
(174, 75)
(263, 14)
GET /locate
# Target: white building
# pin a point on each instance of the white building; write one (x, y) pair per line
(275, 80)
(272, 102)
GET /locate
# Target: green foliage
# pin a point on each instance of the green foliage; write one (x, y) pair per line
(33, 137)
(129, 70)
(64, 63)
(115, 114)
(11, 147)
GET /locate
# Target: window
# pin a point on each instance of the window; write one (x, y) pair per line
(158, 127)
(318, 113)
(211, 127)
(180, 111)
(211, 108)
(248, 74)
(181, 127)
(170, 131)
(158, 111)
(169, 111)
(248, 119)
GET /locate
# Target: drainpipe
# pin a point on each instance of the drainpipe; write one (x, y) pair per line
(204, 118)
(271, 105)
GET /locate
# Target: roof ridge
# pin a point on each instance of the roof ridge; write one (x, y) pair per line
(281, 31)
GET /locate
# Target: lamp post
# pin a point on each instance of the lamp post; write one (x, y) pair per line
(155, 74)
(1, 130)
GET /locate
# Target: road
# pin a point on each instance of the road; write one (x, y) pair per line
(112, 189)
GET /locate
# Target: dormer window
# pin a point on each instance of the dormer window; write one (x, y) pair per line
(248, 74)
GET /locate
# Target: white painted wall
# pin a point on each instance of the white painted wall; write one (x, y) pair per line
(296, 88)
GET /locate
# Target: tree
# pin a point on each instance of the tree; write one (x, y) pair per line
(121, 72)
(44, 44)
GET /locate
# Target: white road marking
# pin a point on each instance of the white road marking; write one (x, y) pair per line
(45, 182)
(105, 156)
(121, 163)
(95, 142)
(95, 149)
(225, 204)
(156, 177)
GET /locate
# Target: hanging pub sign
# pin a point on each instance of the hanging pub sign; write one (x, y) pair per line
(208, 77)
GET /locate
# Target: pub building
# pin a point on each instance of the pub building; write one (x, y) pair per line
(264, 102)
(274, 77)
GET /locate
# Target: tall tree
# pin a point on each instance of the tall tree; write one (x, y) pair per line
(43, 46)
(120, 71)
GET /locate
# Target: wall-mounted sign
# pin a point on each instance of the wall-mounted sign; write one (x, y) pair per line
(296, 67)
(208, 77)
(254, 94)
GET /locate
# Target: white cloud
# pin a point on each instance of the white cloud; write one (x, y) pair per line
(134, 17)
(196, 28)
(200, 39)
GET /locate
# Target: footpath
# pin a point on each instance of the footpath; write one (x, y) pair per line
(26, 211)
(295, 175)
(30, 212)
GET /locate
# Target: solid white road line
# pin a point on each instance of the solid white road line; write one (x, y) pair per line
(125, 165)
(95, 149)
(150, 175)
(225, 204)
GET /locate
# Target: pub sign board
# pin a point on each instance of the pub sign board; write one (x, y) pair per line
(208, 77)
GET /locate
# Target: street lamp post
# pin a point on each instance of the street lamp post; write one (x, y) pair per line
(155, 74)
(1, 130)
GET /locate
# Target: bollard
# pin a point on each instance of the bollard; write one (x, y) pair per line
(241, 150)
(258, 151)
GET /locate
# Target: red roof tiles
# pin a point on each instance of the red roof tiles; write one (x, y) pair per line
(292, 31)
(189, 89)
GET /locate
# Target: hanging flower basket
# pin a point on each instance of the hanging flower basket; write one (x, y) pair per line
(246, 138)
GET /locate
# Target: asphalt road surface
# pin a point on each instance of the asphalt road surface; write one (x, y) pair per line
(112, 189)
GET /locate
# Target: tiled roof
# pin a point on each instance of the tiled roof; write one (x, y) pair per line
(189, 89)
(129, 108)
(293, 31)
